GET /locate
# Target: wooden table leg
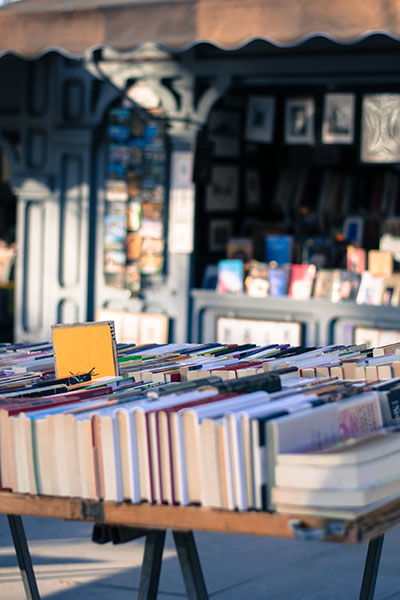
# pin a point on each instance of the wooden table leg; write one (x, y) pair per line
(151, 566)
(190, 565)
(371, 568)
(23, 557)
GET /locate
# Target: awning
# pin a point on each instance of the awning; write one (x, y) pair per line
(32, 27)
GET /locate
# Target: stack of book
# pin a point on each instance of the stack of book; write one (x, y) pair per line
(205, 424)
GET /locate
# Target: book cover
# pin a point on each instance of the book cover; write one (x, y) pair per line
(324, 284)
(356, 259)
(230, 276)
(256, 281)
(312, 428)
(380, 263)
(361, 413)
(85, 348)
(278, 278)
(240, 248)
(278, 248)
(391, 291)
(345, 285)
(301, 281)
(370, 290)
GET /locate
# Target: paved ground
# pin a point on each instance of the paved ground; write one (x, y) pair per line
(69, 566)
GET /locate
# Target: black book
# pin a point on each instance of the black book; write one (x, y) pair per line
(268, 382)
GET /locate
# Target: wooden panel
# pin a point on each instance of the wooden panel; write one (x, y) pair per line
(186, 518)
(33, 261)
(36, 148)
(38, 86)
(73, 100)
(67, 311)
(70, 220)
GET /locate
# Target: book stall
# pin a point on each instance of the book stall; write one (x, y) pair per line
(174, 151)
(279, 440)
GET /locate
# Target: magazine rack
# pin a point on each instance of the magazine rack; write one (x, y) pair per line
(182, 520)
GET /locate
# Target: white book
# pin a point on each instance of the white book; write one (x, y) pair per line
(356, 497)
(254, 418)
(344, 476)
(128, 456)
(110, 457)
(236, 452)
(312, 428)
(87, 468)
(209, 464)
(21, 437)
(191, 419)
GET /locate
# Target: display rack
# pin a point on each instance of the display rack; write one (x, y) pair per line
(323, 321)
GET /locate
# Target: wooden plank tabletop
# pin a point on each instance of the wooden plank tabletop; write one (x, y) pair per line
(186, 518)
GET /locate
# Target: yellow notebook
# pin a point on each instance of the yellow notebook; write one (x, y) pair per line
(83, 347)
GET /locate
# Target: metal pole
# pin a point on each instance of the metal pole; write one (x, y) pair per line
(151, 566)
(23, 557)
(371, 568)
(190, 565)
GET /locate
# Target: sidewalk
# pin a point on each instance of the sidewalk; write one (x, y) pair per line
(69, 566)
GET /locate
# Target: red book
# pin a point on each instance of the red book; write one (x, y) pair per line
(238, 366)
(301, 281)
(165, 442)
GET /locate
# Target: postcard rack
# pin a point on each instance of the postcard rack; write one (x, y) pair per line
(182, 520)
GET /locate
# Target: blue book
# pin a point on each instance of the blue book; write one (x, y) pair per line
(278, 281)
(278, 248)
(230, 276)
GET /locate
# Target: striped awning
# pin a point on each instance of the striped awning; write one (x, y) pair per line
(30, 28)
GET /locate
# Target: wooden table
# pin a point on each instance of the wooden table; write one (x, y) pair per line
(154, 520)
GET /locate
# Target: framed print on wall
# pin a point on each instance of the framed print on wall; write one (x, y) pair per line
(222, 191)
(380, 128)
(260, 117)
(220, 230)
(252, 187)
(224, 132)
(299, 121)
(338, 122)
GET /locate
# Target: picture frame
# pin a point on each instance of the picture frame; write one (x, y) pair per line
(260, 116)
(222, 191)
(299, 121)
(252, 186)
(338, 119)
(380, 127)
(219, 232)
(224, 132)
(353, 229)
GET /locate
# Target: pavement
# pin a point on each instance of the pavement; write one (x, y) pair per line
(69, 566)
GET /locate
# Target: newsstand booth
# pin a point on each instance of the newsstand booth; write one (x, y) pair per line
(116, 116)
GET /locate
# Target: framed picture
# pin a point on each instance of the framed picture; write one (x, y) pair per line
(353, 229)
(260, 119)
(220, 230)
(252, 187)
(380, 128)
(299, 121)
(222, 191)
(338, 122)
(224, 132)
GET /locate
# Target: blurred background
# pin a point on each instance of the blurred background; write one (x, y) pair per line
(201, 169)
